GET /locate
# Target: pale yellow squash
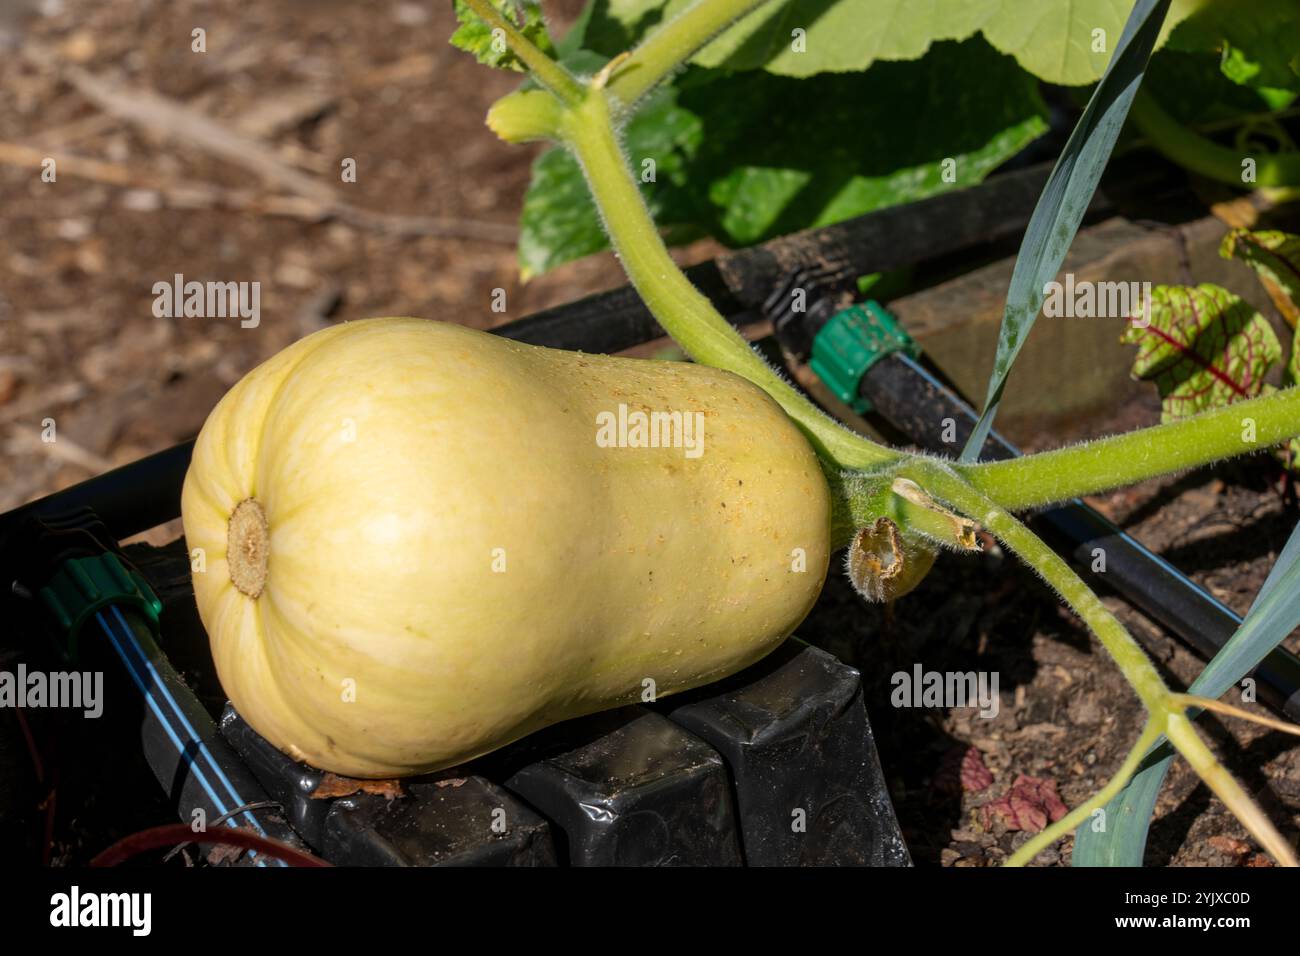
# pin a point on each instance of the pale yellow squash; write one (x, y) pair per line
(414, 549)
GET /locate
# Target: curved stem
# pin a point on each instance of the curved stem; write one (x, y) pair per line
(1196, 702)
(1065, 473)
(1075, 818)
(546, 71)
(670, 46)
(1137, 668)
(859, 498)
(1163, 706)
(1183, 735)
(1193, 151)
(680, 308)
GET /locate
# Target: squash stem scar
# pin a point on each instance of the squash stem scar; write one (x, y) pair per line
(248, 546)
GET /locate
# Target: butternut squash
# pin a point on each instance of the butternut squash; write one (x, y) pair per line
(415, 542)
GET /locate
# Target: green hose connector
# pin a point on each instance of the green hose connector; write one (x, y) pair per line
(848, 345)
(82, 586)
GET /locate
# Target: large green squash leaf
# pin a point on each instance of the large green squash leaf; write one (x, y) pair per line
(1061, 41)
(1256, 41)
(748, 156)
(560, 221)
(1203, 347)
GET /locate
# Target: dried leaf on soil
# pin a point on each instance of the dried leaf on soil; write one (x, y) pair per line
(1030, 804)
(332, 785)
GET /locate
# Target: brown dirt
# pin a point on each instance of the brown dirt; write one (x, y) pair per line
(78, 258)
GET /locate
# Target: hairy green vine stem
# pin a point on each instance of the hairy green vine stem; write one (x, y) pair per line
(1047, 477)
(943, 482)
(1193, 151)
(859, 498)
(1183, 735)
(687, 315)
(546, 71)
(667, 48)
(1194, 750)
(1165, 708)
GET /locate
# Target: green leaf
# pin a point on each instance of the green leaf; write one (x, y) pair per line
(560, 221)
(1202, 346)
(1275, 257)
(1192, 89)
(1068, 41)
(1255, 40)
(1127, 818)
(1061, 41)
(1065, 199)
(475, 37)
(748, 156)
(783, 154)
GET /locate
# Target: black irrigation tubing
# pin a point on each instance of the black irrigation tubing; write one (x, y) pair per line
(181, 743)
(913, 401)
(738, 283)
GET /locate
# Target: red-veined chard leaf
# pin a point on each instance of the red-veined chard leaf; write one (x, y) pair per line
(1202, 346)
(1275, 257)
